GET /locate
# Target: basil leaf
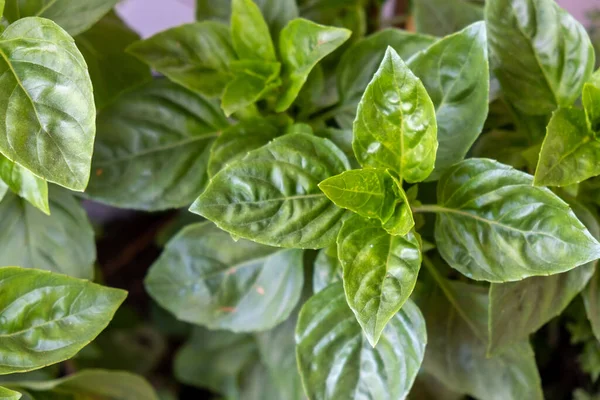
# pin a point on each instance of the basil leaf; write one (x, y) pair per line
(342, 138)
(62, 242)
(3, 189)
(35, 335)
(74, 16)
(272, 195)
(395, 126)
(359, 63)
(252, 80)
(196, 56)
(455, 73)
(327, 269)
(555, 55)
(494, 225)
(2, 3)
(504, 146)
(47, 103)
(380, 272)
(25, 184)
(153, 146)
(228, 353)
(591, 104)
(213, 10)
(302, 44)
(250, 33)
(337, 362)
(570, 153)
(444, 17)
(7, 394)
(401, 221)
(111, 69)
(206, 278)
(591, 300)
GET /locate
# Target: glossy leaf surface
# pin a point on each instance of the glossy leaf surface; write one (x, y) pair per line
(62, 242)
(196, 56)
(153, 146)
(444, 17)
(494, 225)
(555, 56)
(395, 126)
(48, 318)
(455, 73)
(302, 44)
(271, 196)
(250, 33)
(337, 362)
(591, 103)
(25, 184)
(47, 105)
(570, 153)
(206, 278)
(327, 269)
(380, 272)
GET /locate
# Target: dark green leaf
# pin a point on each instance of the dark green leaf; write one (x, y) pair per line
(250, 33)
(327, 268)
(540, 54)
(443, 17)
(271, 196)
(25, 184)
(504, 146)
(380, 272)
(302, 44)
(395, 126)
(196, 56)
(153, 146)
(75, 16)
(62, 242)
(48, 318)
(7, 394)
(337, 362)
(47, 104)
(342, 138)
(206, 278)
(494, 225)
(455, 73)
(591, 299)
(111, 69)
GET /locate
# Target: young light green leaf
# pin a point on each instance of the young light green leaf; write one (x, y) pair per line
(591, 104)
(444, 17)
(2, 3)
(25, 184)
(401, 221)
(251, 81)
(206, 278)
(7, 394)
(153, 146)
(196, 56)
(302, 44)
(359, 63)
(570, 153)
(74, 16)
(494, 225)
(455, 73)
(327, 269)
(555, 55)
(62, 242)
(395, 126)
(47, 104)
(271, 196)
(337, 362)
(380, 272)
(33, 334)
(111, 69)
(250, 33)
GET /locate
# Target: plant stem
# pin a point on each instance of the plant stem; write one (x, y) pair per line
(431, 208)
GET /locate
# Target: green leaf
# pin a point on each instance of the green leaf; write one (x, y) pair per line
(74, 16)
(25, 184)
(444, 17)
(456, 315)
(111, 69)
(153, 146)
(359, 63)
(337, 362)
(252, 80)
(395, 126)
(7, 394)
(271, 196)
(250, 33)
(206, 278)
(455, 73)
(555, 55)
(62, 242)
(503, 146)
(94, 384)
(48, 318)
(570, 153)
(327, 269)
(196, 56)
(47, 103)
(302, 44)
(494, 225)
(342, 138)
(591, 104)
(380, 272)
(591, 299)
(3, 189)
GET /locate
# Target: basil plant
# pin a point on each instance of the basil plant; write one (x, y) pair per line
(355, 211)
